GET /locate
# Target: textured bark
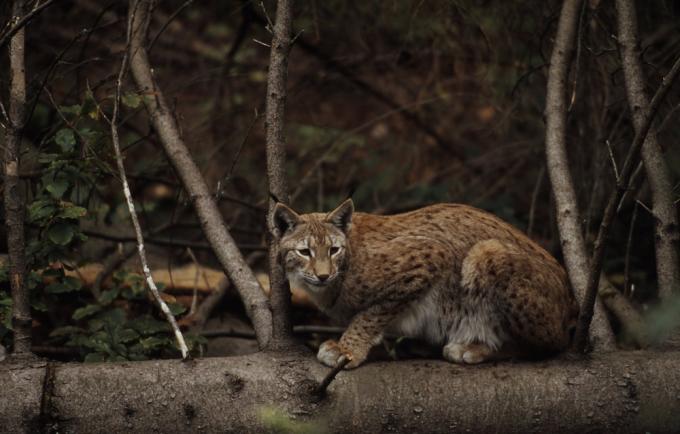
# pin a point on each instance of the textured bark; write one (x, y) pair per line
(611, 392)
(667, 232)
(14, 202)
(276, 166)
(568, 216)
(240, 274)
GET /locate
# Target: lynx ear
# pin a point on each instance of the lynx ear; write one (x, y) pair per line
(341, 216)
(283, 219)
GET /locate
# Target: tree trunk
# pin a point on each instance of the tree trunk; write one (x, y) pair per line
(14, 203)
(611, 392)
(276, 167)
(568, 216)
(667, 231)
(240, 274)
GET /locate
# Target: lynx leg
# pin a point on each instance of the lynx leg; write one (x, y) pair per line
(532, 300)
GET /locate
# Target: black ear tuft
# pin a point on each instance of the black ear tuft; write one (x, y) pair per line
(283, 220)
(341, 216)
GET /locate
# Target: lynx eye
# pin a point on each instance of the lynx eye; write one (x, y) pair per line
(334, 250)
(305, 252)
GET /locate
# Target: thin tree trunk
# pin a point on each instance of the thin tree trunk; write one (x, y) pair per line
(14, 203)
(240, 274)
(622, 392)
(276, 169)
(568, 216)
(667, 231)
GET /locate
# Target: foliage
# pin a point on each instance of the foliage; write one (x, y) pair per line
(120, 325)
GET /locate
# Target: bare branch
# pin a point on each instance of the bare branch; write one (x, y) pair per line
(276, 170)
(568, 218)
(667, 232)
(240, 274)
(21, 22)
(629, 165)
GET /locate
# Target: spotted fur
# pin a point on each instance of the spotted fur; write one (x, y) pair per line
(451, 274)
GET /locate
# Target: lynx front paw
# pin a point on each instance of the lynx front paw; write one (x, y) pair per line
(470, 354)
(330, 353)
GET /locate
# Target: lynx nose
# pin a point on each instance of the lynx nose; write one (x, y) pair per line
(322, 277)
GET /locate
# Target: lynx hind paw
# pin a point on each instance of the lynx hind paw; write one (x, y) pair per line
(330, 352)
(469, 354)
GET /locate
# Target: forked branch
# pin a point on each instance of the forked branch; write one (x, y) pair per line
(240, 274)
(568, 219)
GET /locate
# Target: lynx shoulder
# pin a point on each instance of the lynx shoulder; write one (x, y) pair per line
(451, 274)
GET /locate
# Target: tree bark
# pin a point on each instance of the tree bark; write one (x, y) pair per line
(568, 216)
(667, 231)
(282, 328)
(610, 392)
(14, 202)
(240, 274)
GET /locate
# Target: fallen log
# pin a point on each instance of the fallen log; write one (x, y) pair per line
(614, 392)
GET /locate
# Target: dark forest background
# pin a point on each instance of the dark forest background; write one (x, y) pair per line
(404, 103)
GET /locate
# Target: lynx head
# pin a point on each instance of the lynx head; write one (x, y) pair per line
(314, 247)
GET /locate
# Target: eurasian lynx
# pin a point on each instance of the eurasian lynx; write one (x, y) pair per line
(451, 274)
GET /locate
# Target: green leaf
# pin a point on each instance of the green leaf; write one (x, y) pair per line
(65, 139)
(86, 311)
(66, 331)
(40, 209)
(61, 233)
(176, 308)
(127, 335)
(107, 297)
(147, 325)
(57, 187)
(67, 284)
(70, 211)
(131, 100)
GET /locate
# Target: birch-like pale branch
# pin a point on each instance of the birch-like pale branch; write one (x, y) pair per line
(131, 206)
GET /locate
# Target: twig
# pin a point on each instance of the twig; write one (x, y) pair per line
(194, 298)
(613, 160)
(167, 23)
(131, 206)
(166, 242)
(629, 246)
(23, 21)
(534, 199)
(631, 161)
(320, 390)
